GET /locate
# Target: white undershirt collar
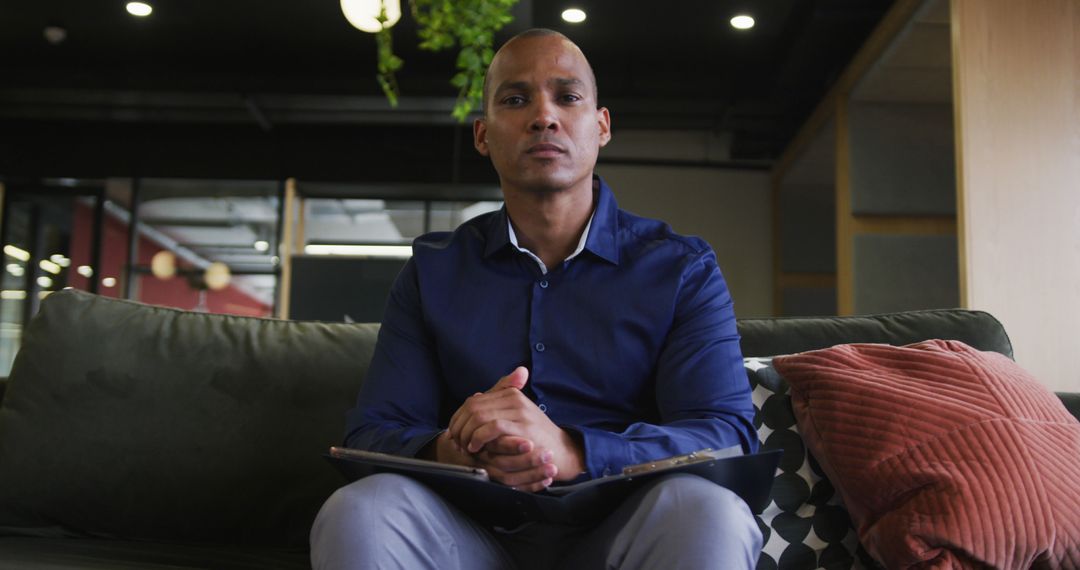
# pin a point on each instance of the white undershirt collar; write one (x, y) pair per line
(543, 268)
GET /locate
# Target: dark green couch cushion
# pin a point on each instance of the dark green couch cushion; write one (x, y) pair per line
(771, 337)
(22, 553)
(140, 422)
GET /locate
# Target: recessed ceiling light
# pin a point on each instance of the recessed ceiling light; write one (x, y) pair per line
(54, 34)
(742, 22)
(109, 282)
(141, 9)
(574, 15)
(262, 245)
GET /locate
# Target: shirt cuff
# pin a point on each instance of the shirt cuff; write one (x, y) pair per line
(606, 453)
(414, 444)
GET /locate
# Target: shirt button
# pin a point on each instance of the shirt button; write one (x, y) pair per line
(540, 347)
(544, 284)
(543, 408)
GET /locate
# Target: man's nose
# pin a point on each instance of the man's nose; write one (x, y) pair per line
(546, 118)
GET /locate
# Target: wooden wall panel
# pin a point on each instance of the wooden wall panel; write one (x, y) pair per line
(1017, 104)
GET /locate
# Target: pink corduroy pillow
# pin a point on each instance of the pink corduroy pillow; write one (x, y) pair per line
(945, 456)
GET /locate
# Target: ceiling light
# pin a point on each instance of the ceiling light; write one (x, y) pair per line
(109, 282)
(54, 34)
(742, 22)
(163, 264)
(86, 271)
(217, 276)
(398, 251)
(364, 14)
(16, 269)
(45, 282)
(17, 253)
(574, 15)
(140, 9)
(60, 260)
(12, 295)
(262, 245)
(49, 266)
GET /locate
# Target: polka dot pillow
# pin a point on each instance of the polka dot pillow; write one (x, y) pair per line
(805, 525)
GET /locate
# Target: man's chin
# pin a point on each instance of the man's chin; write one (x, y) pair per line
(548, 184)
(544, 188)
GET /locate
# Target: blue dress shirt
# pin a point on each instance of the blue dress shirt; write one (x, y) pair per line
(631, 345)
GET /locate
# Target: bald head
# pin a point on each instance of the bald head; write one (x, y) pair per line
(507, 51)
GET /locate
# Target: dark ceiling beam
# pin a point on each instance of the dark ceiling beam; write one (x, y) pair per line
(269, 110)
(258, 114)
(203, 223)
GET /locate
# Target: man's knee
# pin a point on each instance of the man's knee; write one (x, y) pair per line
(692, 495)
(361, 521)
(375, 493)
(703, 512)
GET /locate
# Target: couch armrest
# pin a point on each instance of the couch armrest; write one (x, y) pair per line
(1072, 402)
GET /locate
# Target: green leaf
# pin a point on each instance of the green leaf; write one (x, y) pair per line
(441, 25)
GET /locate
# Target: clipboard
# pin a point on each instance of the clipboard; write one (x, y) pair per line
(749, 476)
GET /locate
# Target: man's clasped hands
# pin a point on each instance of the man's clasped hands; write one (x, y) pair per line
(505, 433)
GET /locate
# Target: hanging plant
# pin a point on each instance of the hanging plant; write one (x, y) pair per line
(469, 25)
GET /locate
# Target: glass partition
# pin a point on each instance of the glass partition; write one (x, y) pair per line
(55, 235)
(207, 245)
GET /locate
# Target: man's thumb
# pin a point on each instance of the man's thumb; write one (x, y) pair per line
(516, 379)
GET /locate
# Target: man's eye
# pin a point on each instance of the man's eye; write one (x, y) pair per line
(514, 100)
(570, 98)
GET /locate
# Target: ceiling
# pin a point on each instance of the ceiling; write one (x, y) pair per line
(248, 89)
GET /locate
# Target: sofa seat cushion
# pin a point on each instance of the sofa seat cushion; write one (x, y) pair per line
(945, 456)
(66, 553)
(129, 421)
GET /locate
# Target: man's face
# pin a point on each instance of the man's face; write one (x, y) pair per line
(541, 127)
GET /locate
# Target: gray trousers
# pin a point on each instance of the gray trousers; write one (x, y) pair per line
(390, 521)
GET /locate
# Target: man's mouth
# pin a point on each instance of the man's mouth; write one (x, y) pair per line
(545, 150)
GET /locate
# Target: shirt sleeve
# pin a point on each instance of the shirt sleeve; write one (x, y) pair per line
(702, 392)
(397, 410)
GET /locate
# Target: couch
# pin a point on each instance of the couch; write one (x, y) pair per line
(134, 436)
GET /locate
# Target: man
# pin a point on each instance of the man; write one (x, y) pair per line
(557, 339)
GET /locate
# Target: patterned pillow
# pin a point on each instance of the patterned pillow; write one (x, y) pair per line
(805, 524)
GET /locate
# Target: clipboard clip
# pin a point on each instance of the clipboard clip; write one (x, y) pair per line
(699, 456)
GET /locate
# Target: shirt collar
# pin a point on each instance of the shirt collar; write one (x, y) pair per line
(540, 262)
(600, 236)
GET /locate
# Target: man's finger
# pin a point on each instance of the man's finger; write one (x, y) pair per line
(515, 463)
(458, 419)
(509, 445)
(493, 413)
(516, 379)
(534, 479)
(475, 436)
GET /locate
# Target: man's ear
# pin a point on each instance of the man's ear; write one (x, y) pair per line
(479, 131)
(604, 118)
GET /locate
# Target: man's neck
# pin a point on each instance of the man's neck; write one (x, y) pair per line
(550, 224)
